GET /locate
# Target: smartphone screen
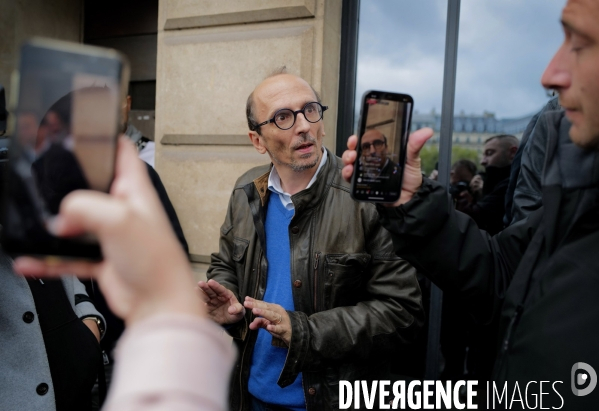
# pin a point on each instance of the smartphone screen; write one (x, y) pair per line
(382, 139)
(67, 120)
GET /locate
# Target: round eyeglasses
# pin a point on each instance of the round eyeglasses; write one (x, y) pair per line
(285, 118)
(376, 143)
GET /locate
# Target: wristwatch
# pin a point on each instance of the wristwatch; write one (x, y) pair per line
(98, 321)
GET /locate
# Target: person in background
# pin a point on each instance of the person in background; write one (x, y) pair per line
(171, 357)
(485, 202)
(461, 174)
(145, 147)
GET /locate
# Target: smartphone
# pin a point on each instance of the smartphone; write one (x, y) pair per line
(67, 116)
(384, 126)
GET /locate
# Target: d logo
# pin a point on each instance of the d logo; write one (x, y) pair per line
(583, 374)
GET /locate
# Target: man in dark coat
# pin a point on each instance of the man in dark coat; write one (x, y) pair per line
(538, 276)
(488, 210)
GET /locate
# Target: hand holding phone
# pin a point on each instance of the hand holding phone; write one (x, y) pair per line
(412, 176)
(383, 135)
(67, 121)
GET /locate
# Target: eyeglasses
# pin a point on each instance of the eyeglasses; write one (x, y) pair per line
(285, 118)
(375, 143)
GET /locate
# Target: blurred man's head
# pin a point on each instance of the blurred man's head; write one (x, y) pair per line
(292, 141)
(27, 129)
(462, 170)
(374, 144)
(499, 151)
(573, 71)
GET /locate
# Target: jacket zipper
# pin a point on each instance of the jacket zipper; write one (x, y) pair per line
(316, 282)
(510, 328)
(258, 271)
(505, 345)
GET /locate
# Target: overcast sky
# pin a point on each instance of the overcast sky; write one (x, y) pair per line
(504, 46)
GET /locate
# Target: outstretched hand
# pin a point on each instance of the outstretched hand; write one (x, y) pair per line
(222, 305)
(412, 175)
(272, 317)
(145, 271)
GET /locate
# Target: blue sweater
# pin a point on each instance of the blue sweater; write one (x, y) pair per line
(268, 360)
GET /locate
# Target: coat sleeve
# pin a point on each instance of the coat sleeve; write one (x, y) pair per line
(191, 374)
(83, 304)
(527, 195)
(447, 246)
(168, 207)
(389, 314)
(222, 267)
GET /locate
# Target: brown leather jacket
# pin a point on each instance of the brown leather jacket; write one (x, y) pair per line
(355, 300)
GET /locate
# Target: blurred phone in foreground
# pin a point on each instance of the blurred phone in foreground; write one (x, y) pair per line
(66, 122)
(382, 139)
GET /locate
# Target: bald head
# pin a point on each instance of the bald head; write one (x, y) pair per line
(499, 151)
(277, 83)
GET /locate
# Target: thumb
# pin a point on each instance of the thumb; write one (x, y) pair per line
(236, 308)
(415, 143)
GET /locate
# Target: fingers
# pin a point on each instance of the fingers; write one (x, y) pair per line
(349, 158)
(49, 267)
(272, 312)
(215, 290)
(216, 295)
(236, 309)
(352, 142)
(259, 322)
(207, 290)
(130, 172)
(415, 143)
(201, 293)
(219, 289)
(87, 211)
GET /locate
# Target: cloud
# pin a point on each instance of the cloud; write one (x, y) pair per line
(504, 47)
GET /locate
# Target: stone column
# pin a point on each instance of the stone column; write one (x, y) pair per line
(211, 55)
(21, 20)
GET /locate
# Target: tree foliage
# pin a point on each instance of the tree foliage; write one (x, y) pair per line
(430, 156)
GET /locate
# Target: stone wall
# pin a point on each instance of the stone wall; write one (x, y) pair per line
(23, 19)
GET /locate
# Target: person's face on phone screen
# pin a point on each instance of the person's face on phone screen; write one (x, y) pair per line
(374, 146)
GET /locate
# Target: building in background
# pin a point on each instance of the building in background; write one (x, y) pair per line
(472, 130)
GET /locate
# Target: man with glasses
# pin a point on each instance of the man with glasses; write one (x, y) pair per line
(305, 279)
(377, 168)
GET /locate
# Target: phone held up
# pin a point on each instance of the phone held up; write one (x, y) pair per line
(66, 118)
(385, 119)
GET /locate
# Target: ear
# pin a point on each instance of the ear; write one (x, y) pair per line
(256, 140)
(128, 103)
(513, 151)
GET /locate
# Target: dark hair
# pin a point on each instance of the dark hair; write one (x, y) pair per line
(249, 105)
(505, 138)
(467, 164)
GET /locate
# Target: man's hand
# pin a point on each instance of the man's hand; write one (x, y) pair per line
(221, 304)
(272, 317)
(412, 175)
